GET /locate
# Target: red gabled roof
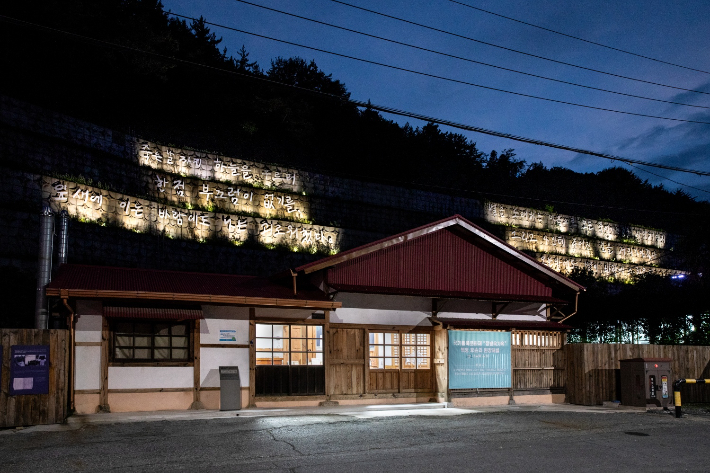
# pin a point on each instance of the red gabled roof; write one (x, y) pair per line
(445, 257)
(74, 280)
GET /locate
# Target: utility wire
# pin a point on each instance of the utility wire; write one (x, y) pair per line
(668, 178)
(515, 50)
(440, 53)
(434, 76)
(360, 103)
(578, 38)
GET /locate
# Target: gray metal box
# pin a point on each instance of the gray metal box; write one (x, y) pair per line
(646, 381)
(230, 388)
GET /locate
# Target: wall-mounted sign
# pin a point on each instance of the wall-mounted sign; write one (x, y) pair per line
(227, 335)
(479, 359)
(29, 369)
(91, 203)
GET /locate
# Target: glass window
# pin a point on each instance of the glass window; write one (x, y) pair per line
(289, 344)
(391, 351)
(150, 341)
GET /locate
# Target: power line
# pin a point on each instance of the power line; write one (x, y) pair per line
(440, 53)
(434, 76)
(578, 38)
(668, 178)
(515, 50)
(360, 103)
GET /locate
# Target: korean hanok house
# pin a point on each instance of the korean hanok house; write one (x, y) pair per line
(443, 312)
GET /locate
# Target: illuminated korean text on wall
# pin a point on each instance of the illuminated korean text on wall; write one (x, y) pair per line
(94, 204)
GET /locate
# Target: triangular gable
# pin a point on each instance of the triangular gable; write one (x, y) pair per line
(452, 256)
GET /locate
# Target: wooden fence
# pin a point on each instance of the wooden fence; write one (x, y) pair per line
(538, 361)
(34, 409)
(592, 370)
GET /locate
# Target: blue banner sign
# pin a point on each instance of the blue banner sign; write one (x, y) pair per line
(29, 369)
(479, 359)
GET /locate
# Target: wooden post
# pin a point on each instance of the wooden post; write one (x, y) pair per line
(252, 357)
(366, 351)
(441, 378)
(196, 402)
(103, 393)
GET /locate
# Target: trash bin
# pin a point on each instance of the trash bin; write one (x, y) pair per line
(230, 388)
(646, 381)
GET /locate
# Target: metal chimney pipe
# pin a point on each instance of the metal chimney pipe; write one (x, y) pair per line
(63, 238)
(44, 270)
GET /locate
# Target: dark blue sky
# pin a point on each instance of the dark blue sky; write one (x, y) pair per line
(675, 31)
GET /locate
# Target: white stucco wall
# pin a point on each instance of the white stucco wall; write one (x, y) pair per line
(88, 322)
(218, 318)
(212, 358)
(139, 377)
(88, 368)
(381, 310)
(467, 309)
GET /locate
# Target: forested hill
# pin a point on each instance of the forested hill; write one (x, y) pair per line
(168, 80)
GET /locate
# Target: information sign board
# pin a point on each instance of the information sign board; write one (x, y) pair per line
(29, 369)
(479, 359)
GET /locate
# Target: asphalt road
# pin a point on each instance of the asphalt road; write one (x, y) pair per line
(488, 442)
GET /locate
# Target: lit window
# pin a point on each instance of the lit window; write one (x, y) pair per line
(392, 351)
(289, 344)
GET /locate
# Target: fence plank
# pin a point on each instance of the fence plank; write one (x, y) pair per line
(35, 409)
(591, 369)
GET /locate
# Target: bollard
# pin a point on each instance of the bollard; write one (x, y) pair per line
(676, 393)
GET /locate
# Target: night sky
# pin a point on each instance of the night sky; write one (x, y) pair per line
(674, 31)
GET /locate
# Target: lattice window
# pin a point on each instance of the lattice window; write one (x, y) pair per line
(289, 344)
(150, 341)
(392, 351)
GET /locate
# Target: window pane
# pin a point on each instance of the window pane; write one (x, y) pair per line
(124, 340)
(180, 354)
(298, 344)
(162, 341)
(263, 344)
(263, 330)
(408, 339)
(408, 363)
(280, 344)
(263, 358)
(423, 339)
(373, 338)
(124, 353)
(142, 341)
(391, 363)
(299, 359)
(298, 331)
(423, 352)
(142, 354)
(315, 359)
(280, 358)
(377, 363)
(392, 338)
(180, 342)
(161, 353)
(423, 363)
(377, 351)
